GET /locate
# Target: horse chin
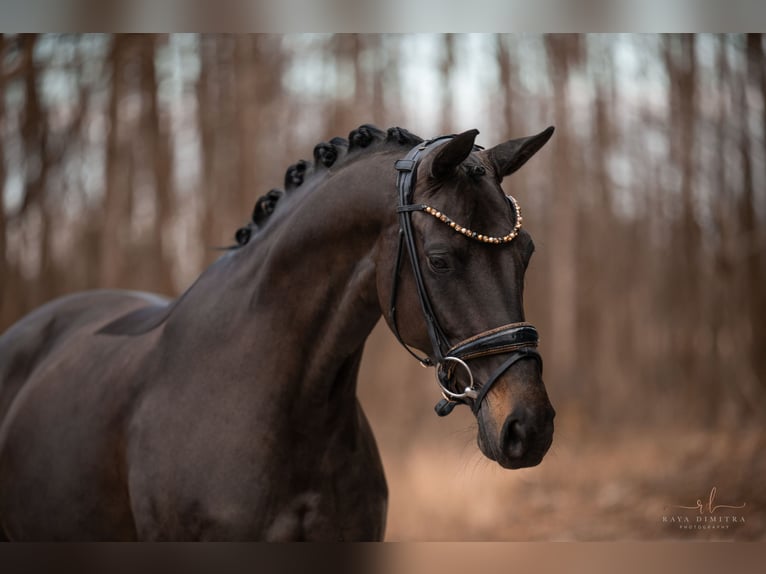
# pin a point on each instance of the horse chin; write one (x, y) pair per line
(528, 460)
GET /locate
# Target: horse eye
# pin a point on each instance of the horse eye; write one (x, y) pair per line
(438, 263)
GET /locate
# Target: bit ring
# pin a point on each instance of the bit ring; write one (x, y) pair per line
(470, 391)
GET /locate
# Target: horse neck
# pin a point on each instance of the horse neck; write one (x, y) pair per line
(299, 301)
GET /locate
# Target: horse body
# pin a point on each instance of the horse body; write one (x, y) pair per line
(62, 442)
(230, 413)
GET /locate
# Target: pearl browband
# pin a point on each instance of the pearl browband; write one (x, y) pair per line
(473, 234)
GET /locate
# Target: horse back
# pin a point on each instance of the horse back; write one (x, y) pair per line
(26, 344)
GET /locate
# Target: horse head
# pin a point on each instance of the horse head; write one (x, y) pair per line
(458, 260)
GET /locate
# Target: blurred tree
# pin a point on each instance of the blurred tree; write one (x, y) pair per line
(683, 271)
(376, 72)
(206, 93)
(647, 208)
(4, 268)
(595, 264)
(752, 230)
(118, 191)
(38, 163)
(721, 263)
(508, 83)
(155, 134)
(447, 71)
(349, 94)
(565, 52)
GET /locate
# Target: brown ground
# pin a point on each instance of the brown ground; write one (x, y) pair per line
(614, 484)
(615, 487)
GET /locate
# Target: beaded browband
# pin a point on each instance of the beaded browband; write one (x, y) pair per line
(479, 236)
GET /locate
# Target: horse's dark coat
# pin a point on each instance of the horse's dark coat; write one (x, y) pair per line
(231, 413)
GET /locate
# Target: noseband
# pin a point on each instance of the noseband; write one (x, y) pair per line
(518, 340)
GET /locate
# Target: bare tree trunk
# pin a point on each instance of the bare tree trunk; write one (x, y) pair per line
(599, 267)
(158, 144)
(217, 118)
(227, 208)
(721, 264)
(687, 78)
(346, 50)
(31, 125)
(361, 96)
(4, 267)
(247, 65)
(754, 244)
(683, 271)
(692, 361)
(562, 54)
(375, 45)
(205, 119)
(448, 101)
(508, 83)
(116, 203)
(35, 130)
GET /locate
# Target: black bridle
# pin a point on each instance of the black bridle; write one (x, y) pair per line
(519, 340)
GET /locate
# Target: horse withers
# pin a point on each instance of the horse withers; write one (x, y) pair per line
(230, 413)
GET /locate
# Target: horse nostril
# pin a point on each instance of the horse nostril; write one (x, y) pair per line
(514, 438)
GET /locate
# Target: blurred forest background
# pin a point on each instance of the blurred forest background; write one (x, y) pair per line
(125, 159)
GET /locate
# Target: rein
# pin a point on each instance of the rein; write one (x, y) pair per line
(519, 340)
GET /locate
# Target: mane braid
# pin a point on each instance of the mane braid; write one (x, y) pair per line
(326, 155)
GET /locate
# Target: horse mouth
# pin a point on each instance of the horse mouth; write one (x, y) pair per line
(515, 458)
(530, 459)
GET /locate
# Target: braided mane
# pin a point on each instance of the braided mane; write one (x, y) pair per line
(326, 155)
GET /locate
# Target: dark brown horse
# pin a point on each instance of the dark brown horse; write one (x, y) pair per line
(231, 412)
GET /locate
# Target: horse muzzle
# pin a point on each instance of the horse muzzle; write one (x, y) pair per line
(524, 438)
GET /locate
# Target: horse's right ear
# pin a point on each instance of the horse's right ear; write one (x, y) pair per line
(451, 154)
(509, 156)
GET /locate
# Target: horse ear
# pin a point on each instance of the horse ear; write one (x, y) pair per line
(451, 154)
(509, 156)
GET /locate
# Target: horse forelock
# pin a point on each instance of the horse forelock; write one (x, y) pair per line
(336, 153)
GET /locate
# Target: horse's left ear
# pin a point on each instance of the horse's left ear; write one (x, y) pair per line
(509, 156)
